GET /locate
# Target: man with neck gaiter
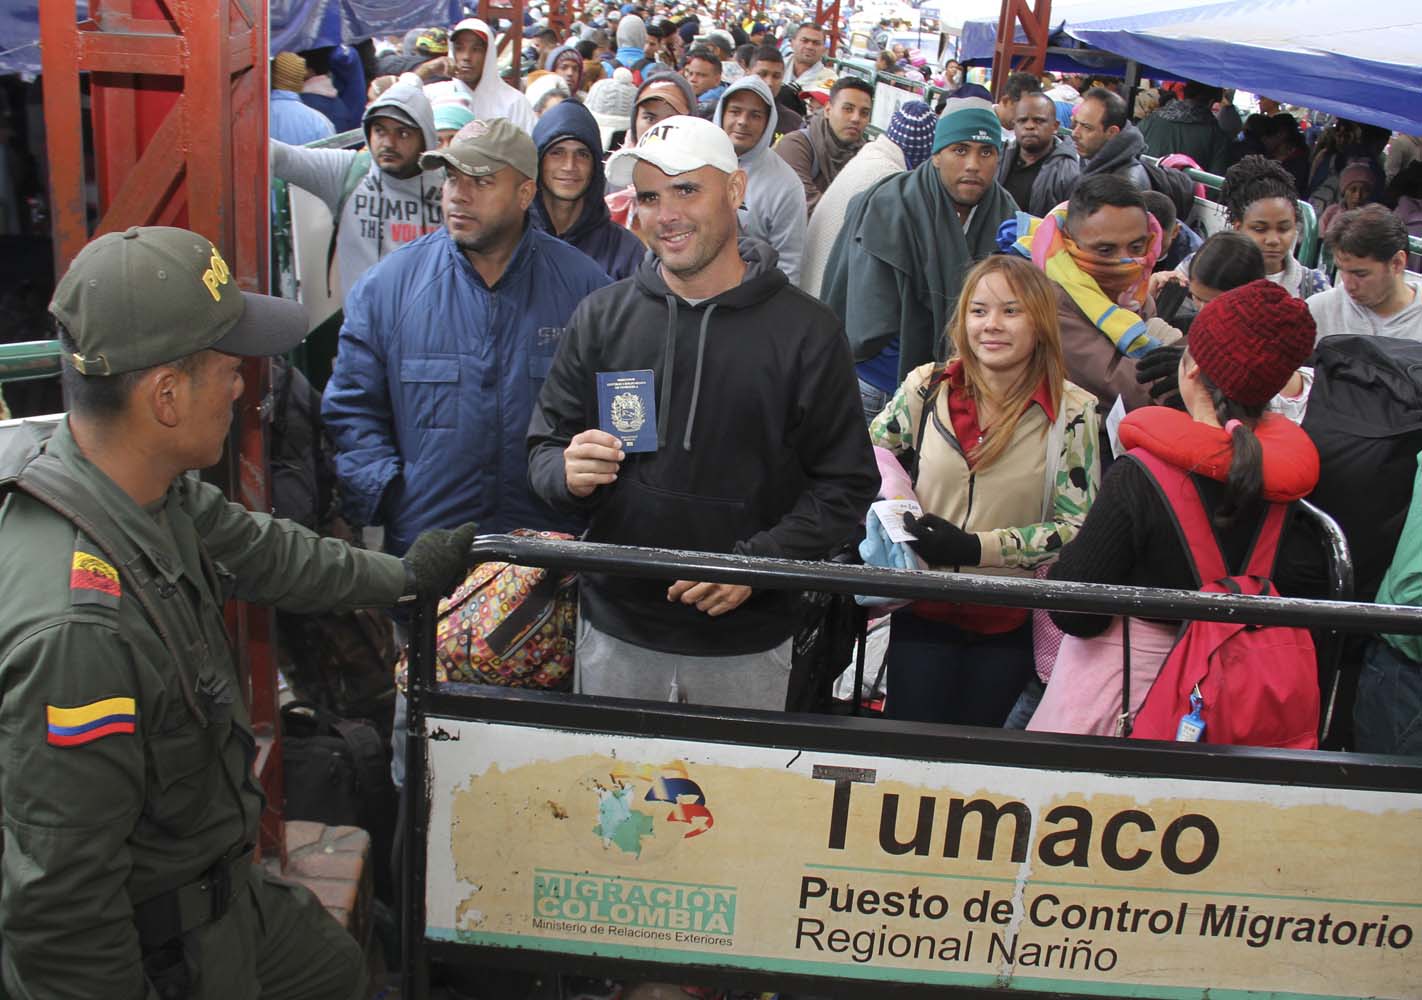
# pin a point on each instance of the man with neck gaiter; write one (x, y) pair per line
(1099, 249)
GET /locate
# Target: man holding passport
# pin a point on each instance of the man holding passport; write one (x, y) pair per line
(706, 404)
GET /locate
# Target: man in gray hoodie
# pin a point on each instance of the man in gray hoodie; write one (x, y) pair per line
(379, 198)
(1106, 141)
(773, 209)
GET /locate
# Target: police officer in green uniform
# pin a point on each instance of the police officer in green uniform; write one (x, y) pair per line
(126, 752)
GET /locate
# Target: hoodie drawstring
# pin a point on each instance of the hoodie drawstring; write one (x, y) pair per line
(696, 382)
(668, 368)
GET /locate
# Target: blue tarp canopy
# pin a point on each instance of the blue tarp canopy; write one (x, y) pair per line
(295, 24)
(1358, 60)
(308, 24)
(19, 35)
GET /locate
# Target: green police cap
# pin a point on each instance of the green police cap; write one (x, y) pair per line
(155, 294)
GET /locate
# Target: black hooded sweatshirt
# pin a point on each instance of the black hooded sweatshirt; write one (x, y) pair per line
(761, 444)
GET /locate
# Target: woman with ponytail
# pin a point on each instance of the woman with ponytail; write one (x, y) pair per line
(1002, 453)
(1225, 261)
(1244, 346)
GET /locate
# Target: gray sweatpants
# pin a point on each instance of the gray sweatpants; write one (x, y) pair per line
(611, 668)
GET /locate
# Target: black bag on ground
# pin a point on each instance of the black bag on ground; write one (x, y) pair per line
(337, 771)
(1365, 417)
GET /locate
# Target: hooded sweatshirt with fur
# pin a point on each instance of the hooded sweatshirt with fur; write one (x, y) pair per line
(382, 212)
(761, 445)
(492, 98)
(774, 206)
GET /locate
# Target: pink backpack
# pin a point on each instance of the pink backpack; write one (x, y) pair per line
(1248, 685)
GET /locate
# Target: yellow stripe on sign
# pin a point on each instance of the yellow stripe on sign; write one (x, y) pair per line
(85, 714)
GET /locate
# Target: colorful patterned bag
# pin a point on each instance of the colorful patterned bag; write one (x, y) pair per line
(513, 626)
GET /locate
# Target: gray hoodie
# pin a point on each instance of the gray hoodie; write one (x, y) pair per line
(1121, 155)
(382, 213)
(774, 208)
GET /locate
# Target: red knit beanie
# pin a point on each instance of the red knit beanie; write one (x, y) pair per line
(1250, 340)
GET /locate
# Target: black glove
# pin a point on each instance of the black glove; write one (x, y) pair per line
(439, 560)
(943, 543)
(1161, 368)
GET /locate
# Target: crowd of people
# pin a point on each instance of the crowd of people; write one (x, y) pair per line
(980, 284)
(994, 314)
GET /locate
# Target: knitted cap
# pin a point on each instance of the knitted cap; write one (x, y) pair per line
(1353, 173)
(967, 119)
(288, 71)
(911, 129)
(613, 97)
(1251, 339)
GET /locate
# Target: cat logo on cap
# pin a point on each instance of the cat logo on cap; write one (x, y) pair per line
(216, 275)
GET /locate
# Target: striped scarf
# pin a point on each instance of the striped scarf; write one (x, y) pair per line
(1109, 292)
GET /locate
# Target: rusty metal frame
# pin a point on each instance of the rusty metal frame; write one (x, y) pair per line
(1030, 56)
(490, 13)
(831, 11)
(179, 109)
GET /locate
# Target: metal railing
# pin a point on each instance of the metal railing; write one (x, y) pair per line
(29, 360)
(1242, 763)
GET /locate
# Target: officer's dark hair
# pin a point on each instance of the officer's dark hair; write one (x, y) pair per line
(1019, 85)
(807, 24)
(1371, 231)
(586, 48)
(850, 83)
(1252, 179)
(1226, 261)
(1099, 191)
(103, 395)
(1113, 106)
(767, 53)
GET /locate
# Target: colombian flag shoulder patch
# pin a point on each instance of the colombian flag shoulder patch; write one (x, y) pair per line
(92, 580)
(72, 727)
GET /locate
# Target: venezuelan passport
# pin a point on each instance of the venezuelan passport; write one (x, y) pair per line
(627, 408)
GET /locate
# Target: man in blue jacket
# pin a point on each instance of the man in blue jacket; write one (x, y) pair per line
(571, 186)
(445, 346)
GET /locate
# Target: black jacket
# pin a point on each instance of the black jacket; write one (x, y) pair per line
(762, 449)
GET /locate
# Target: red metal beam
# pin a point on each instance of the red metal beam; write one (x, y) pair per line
(1010, 55)
(827, 17)
(512, 10)
(179, 99)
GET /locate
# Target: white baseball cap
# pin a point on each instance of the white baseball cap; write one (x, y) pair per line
(675, 145)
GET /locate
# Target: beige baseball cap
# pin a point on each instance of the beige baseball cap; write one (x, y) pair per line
(484, 146)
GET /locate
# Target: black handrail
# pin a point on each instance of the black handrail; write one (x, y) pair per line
(831, 578)
(835, 578)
